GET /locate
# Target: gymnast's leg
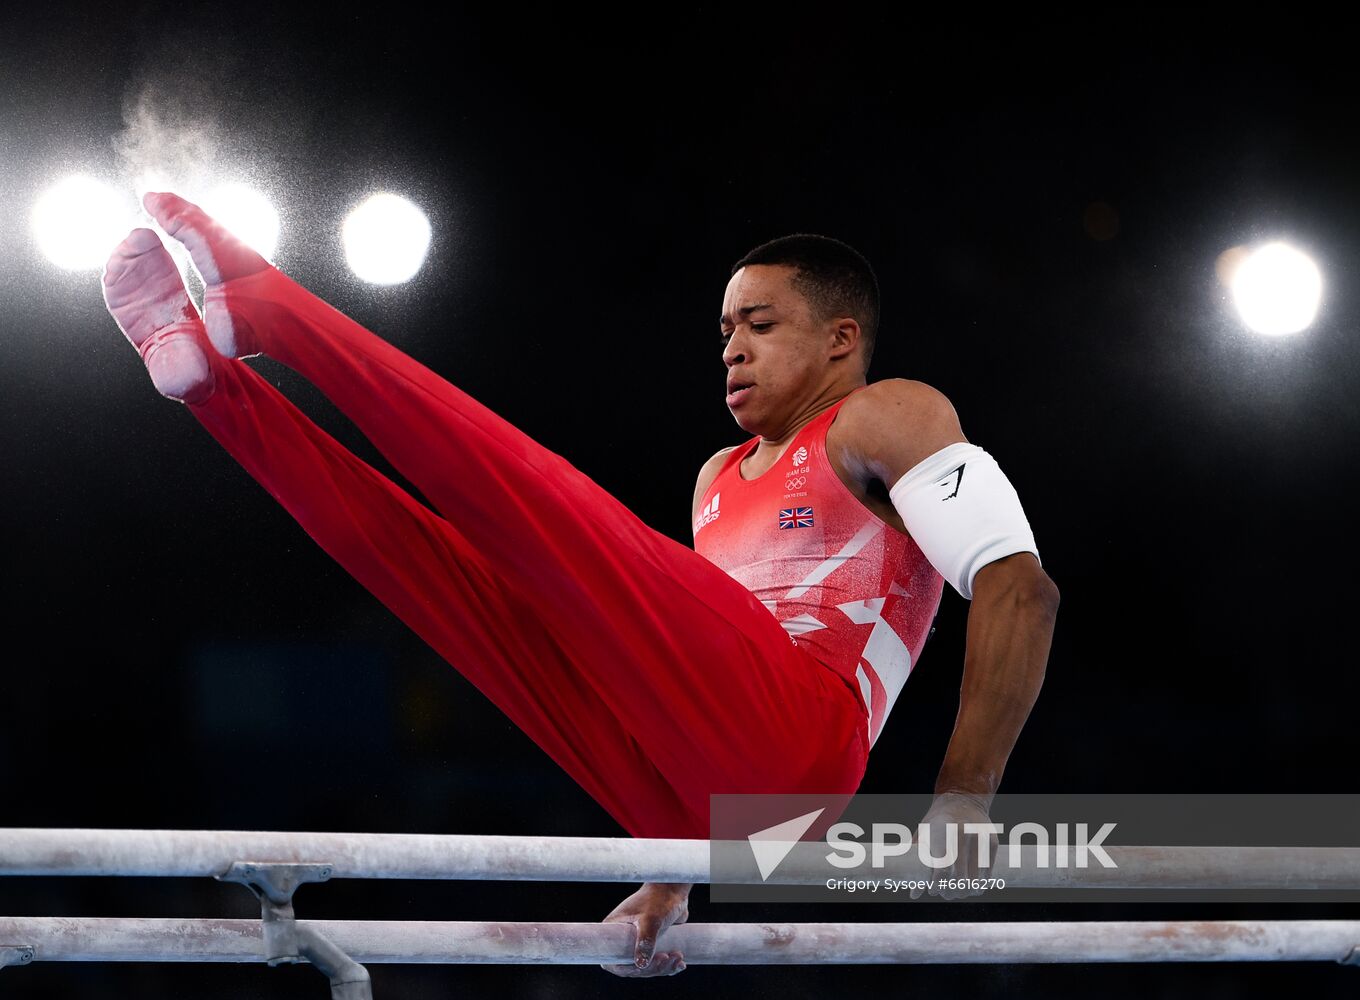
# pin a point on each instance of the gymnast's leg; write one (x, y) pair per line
(687, 658)
(411, 559)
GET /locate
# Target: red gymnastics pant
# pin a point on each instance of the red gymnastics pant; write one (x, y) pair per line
(645, 671)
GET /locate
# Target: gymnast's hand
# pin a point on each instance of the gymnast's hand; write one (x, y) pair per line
(651, 910)
(957, 808)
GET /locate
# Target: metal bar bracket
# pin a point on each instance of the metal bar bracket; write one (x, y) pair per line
(287, 942)
(15, 954)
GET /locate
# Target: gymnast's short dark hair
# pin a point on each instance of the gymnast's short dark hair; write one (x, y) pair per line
(833, 276)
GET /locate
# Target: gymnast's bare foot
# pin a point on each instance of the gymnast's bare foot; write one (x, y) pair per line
(144, 293)
(220, 258)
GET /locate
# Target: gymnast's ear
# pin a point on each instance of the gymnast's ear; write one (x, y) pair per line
(845, 337)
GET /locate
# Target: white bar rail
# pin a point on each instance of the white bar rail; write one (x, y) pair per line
(88, 939)
(602, 859)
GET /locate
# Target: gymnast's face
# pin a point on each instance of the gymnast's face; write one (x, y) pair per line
(776, 344)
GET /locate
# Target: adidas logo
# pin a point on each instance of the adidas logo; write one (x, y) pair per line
(709, 513)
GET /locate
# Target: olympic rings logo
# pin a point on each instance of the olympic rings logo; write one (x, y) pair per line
(795, 484)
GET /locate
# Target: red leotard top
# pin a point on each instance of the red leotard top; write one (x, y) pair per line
(853, 591)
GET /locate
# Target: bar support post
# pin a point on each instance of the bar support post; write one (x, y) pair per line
(285, 940)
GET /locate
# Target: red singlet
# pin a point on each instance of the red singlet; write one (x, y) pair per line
(853, 591)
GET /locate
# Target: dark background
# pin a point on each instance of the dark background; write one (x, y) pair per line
(182, 655)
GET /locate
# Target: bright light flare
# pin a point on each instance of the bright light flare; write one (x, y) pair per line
(78, 221)
(1276, 289)
(386, 240)
(248, 214)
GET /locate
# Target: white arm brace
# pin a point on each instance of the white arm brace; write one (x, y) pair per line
(963, 512)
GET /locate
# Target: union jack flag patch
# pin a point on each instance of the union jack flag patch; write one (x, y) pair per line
(795, 517)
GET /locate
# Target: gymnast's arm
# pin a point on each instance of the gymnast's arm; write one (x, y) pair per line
(1010, 629)
(1010, 626)
(657, 905)
(1014, 603)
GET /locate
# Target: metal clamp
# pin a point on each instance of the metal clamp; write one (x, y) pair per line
(285, 940)
(15, 954)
